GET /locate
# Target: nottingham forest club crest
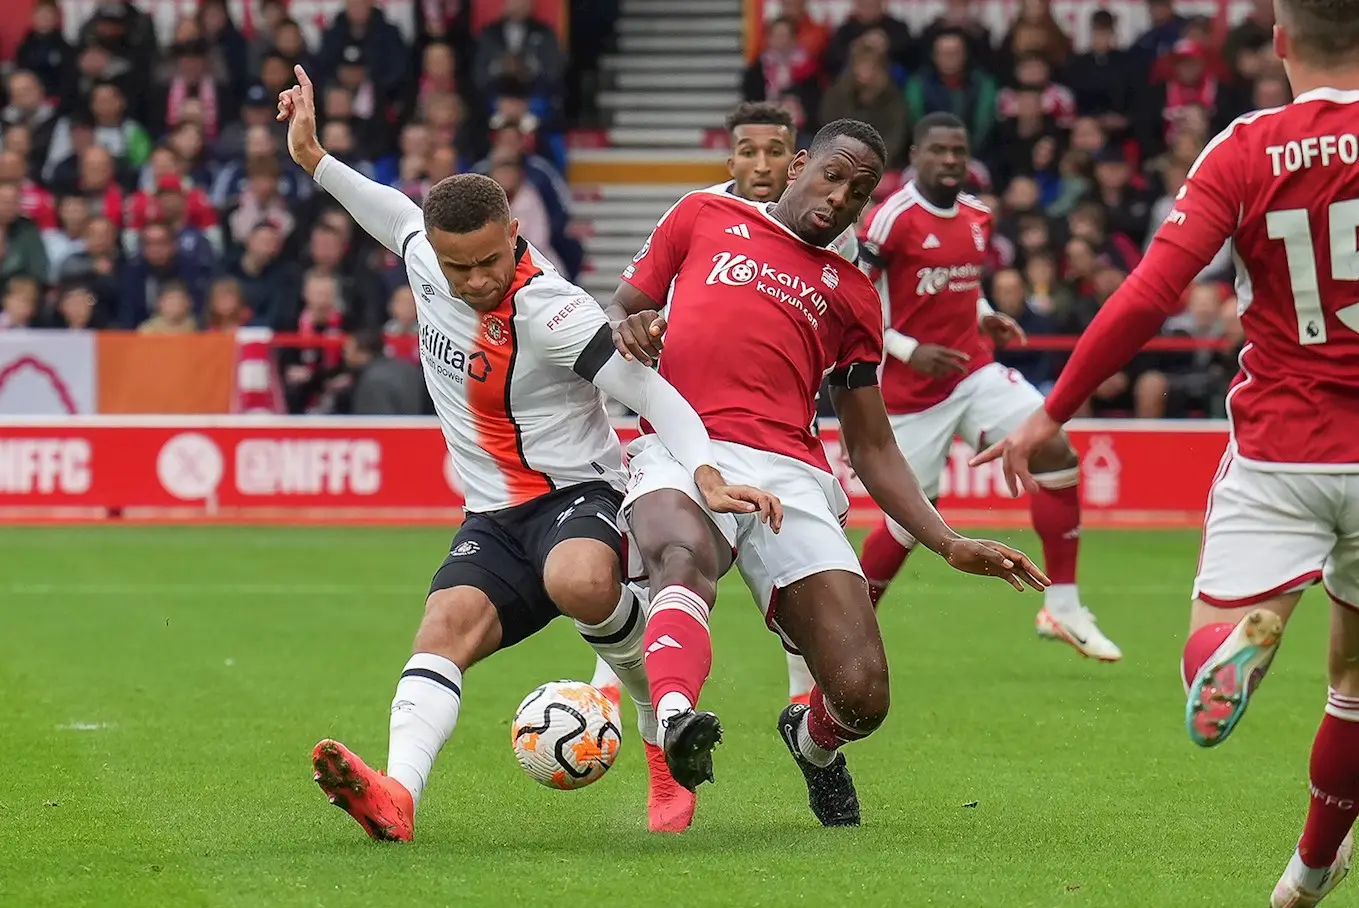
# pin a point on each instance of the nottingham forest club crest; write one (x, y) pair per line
(495, 330)
(978, 238)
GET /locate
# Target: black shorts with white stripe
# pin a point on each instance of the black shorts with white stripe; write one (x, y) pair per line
(502, 553)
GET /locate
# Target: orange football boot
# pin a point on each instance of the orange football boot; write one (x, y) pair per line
(669, 806)
(613, 693)
(381, 805)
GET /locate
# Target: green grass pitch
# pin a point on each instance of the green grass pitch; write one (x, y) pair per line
(161, 688)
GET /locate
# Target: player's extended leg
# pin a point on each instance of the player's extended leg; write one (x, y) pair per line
(1323, 855)
(829, 618)
(685, 555)
(925, 439)
(582, 576)
(1266, 538)
(460, 627)
(1056, 513)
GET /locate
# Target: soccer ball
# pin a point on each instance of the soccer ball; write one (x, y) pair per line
(566, 734)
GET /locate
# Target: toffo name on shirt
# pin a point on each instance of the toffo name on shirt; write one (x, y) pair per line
(1300, 154)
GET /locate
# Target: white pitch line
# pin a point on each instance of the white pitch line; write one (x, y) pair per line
(175, 589)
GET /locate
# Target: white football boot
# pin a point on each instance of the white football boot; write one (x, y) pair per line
(1075, 626)
(1293, 889)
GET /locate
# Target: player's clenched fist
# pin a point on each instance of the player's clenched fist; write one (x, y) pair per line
(725, 499)
(641, 336)
(992, 559)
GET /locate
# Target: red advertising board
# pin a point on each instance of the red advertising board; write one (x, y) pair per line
(281, 468)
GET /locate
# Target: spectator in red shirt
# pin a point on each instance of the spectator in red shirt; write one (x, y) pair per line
(1033, 73)
(35, 202)
(784, 66)
(813, 36)
(173, 200)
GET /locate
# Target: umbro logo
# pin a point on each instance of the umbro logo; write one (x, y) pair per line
(931, 242)
(740, 230)
(665, 640)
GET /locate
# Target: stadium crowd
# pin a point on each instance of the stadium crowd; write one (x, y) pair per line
(1079, 155)
(147, 187)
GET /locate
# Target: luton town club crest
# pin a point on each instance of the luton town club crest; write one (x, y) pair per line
(495, 330)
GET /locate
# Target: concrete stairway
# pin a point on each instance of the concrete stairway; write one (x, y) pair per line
(674, 77)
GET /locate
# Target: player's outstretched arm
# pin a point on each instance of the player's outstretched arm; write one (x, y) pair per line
(386, 214)
(1131, 317)
(877, 460)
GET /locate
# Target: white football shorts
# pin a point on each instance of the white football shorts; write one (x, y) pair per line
(1270, 533)
(983, 408)
(815, 506)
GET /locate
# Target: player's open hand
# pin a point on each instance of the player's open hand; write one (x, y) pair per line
(1003, 330)
(641, 336)
(727, 499)
(993, 559)
(297, 105)
(938, 362)
(1015, 450)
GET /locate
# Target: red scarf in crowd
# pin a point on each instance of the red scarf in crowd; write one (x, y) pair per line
(206, 95)
(1180, 96)
(308, 327)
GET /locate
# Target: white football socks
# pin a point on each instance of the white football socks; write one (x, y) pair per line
(799, 677)
(813, 752)
(1062, 600)
(604, 675)
(618, 642)
(424, 714)
(671, 705)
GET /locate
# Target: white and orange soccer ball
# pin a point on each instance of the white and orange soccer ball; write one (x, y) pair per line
(566, 734)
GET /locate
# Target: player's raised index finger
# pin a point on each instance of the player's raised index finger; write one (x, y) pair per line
(303, 79)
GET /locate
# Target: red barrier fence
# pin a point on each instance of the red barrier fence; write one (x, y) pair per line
(309, 469)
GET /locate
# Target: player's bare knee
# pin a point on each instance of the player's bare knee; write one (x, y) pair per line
(459, 624)
(581, 576)
(689, 564)
(859, 693)
(1055, 454)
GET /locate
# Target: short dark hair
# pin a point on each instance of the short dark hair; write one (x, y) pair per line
(465, 202)
(938, 120)
(851, 129)
(1102, 18)
(1324, 32)
(370, 341)
(760, 113)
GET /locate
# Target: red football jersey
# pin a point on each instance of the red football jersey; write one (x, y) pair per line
(757, 318)
(928, 265)
(1283, 183)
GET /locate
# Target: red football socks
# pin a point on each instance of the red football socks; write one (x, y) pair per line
(678, 648)
(1334, 782)
(826, 731)
(882, 557)
(1056, 514)
(1200, 645)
